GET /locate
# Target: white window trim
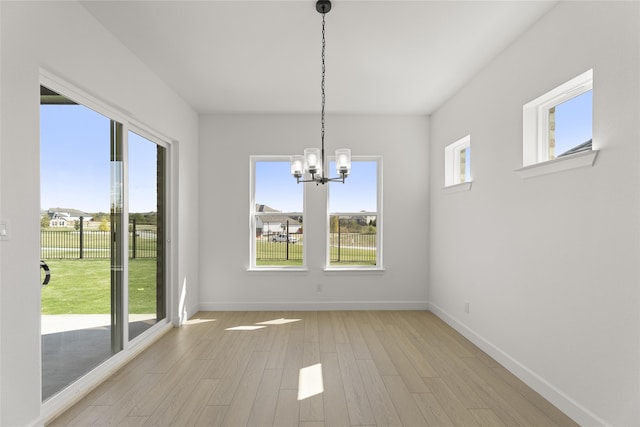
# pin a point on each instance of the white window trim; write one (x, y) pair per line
(252, 217)
(457, 188)
(535, 118)
(560, 164)
(452, 163)
(379, 221)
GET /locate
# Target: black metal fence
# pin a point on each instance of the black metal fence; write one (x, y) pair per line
(347, 248)
(80, 244)
(353, 248)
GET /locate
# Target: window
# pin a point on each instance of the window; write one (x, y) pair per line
(277, 215)
(457, 157)
(354, 238)
(559, 123)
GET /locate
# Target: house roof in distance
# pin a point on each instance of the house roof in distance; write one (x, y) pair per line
(72, 212)
(275, 218)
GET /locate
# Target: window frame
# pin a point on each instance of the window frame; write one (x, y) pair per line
(452, 156)
(252, 265)
(163, 230)
(535, 118)
(379, 219)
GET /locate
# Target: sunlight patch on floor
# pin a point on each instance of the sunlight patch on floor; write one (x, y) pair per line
(310, 381)
(198, 321)
(245, 328)
(281, 321)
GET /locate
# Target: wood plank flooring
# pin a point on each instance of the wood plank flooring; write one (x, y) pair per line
(379, 368)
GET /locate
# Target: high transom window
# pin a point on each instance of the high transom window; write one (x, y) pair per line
(559, 123)
(457, 156)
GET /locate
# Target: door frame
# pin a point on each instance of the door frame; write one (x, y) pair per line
(78, 389)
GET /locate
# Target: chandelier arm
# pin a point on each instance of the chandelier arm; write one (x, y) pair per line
(322, 180)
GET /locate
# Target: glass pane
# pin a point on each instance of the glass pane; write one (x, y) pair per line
(146, 226)
(359, 193)
(465, 165)
(76, 240)
(275, 189)
(352, 240)
(572, 123)
(279, 240)
(353, 237)
(279, 204)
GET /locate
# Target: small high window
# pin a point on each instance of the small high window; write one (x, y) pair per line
(559, 123)
(457, 157)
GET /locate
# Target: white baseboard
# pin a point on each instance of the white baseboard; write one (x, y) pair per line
(571, 408)
(313, 305)
(37, 423)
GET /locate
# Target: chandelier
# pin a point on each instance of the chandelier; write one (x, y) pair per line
(313, 162)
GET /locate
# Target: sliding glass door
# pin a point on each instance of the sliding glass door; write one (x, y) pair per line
(102, 232)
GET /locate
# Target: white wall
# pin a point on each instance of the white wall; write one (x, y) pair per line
(226, 142)
(64, 39)
(549, 265)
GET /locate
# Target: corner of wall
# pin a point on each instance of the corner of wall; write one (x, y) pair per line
(559, 399)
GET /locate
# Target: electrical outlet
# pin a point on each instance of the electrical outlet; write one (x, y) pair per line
(319, 287)
(4, 234)
(466, 307)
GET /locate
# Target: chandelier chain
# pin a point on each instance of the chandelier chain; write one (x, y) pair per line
(322, 86)
(313, 162)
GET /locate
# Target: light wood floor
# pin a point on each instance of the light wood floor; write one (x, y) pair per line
(378, 368)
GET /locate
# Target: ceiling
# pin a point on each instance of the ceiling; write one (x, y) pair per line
(382, 57)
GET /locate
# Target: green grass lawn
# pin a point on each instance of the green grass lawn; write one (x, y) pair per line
(84, 287)
(275, 253)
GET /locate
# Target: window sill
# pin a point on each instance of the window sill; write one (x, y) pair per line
(574, 161)
(356, 268)
(277, 269)
(457, 188)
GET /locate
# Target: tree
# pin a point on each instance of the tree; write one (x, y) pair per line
(104, 225)
(333, 224)
(44, 221)
(148, 218)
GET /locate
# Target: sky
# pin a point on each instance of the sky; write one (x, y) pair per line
(573, 122)
(75, 167)
(143, 157)
(358, 193)
(276, 188)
